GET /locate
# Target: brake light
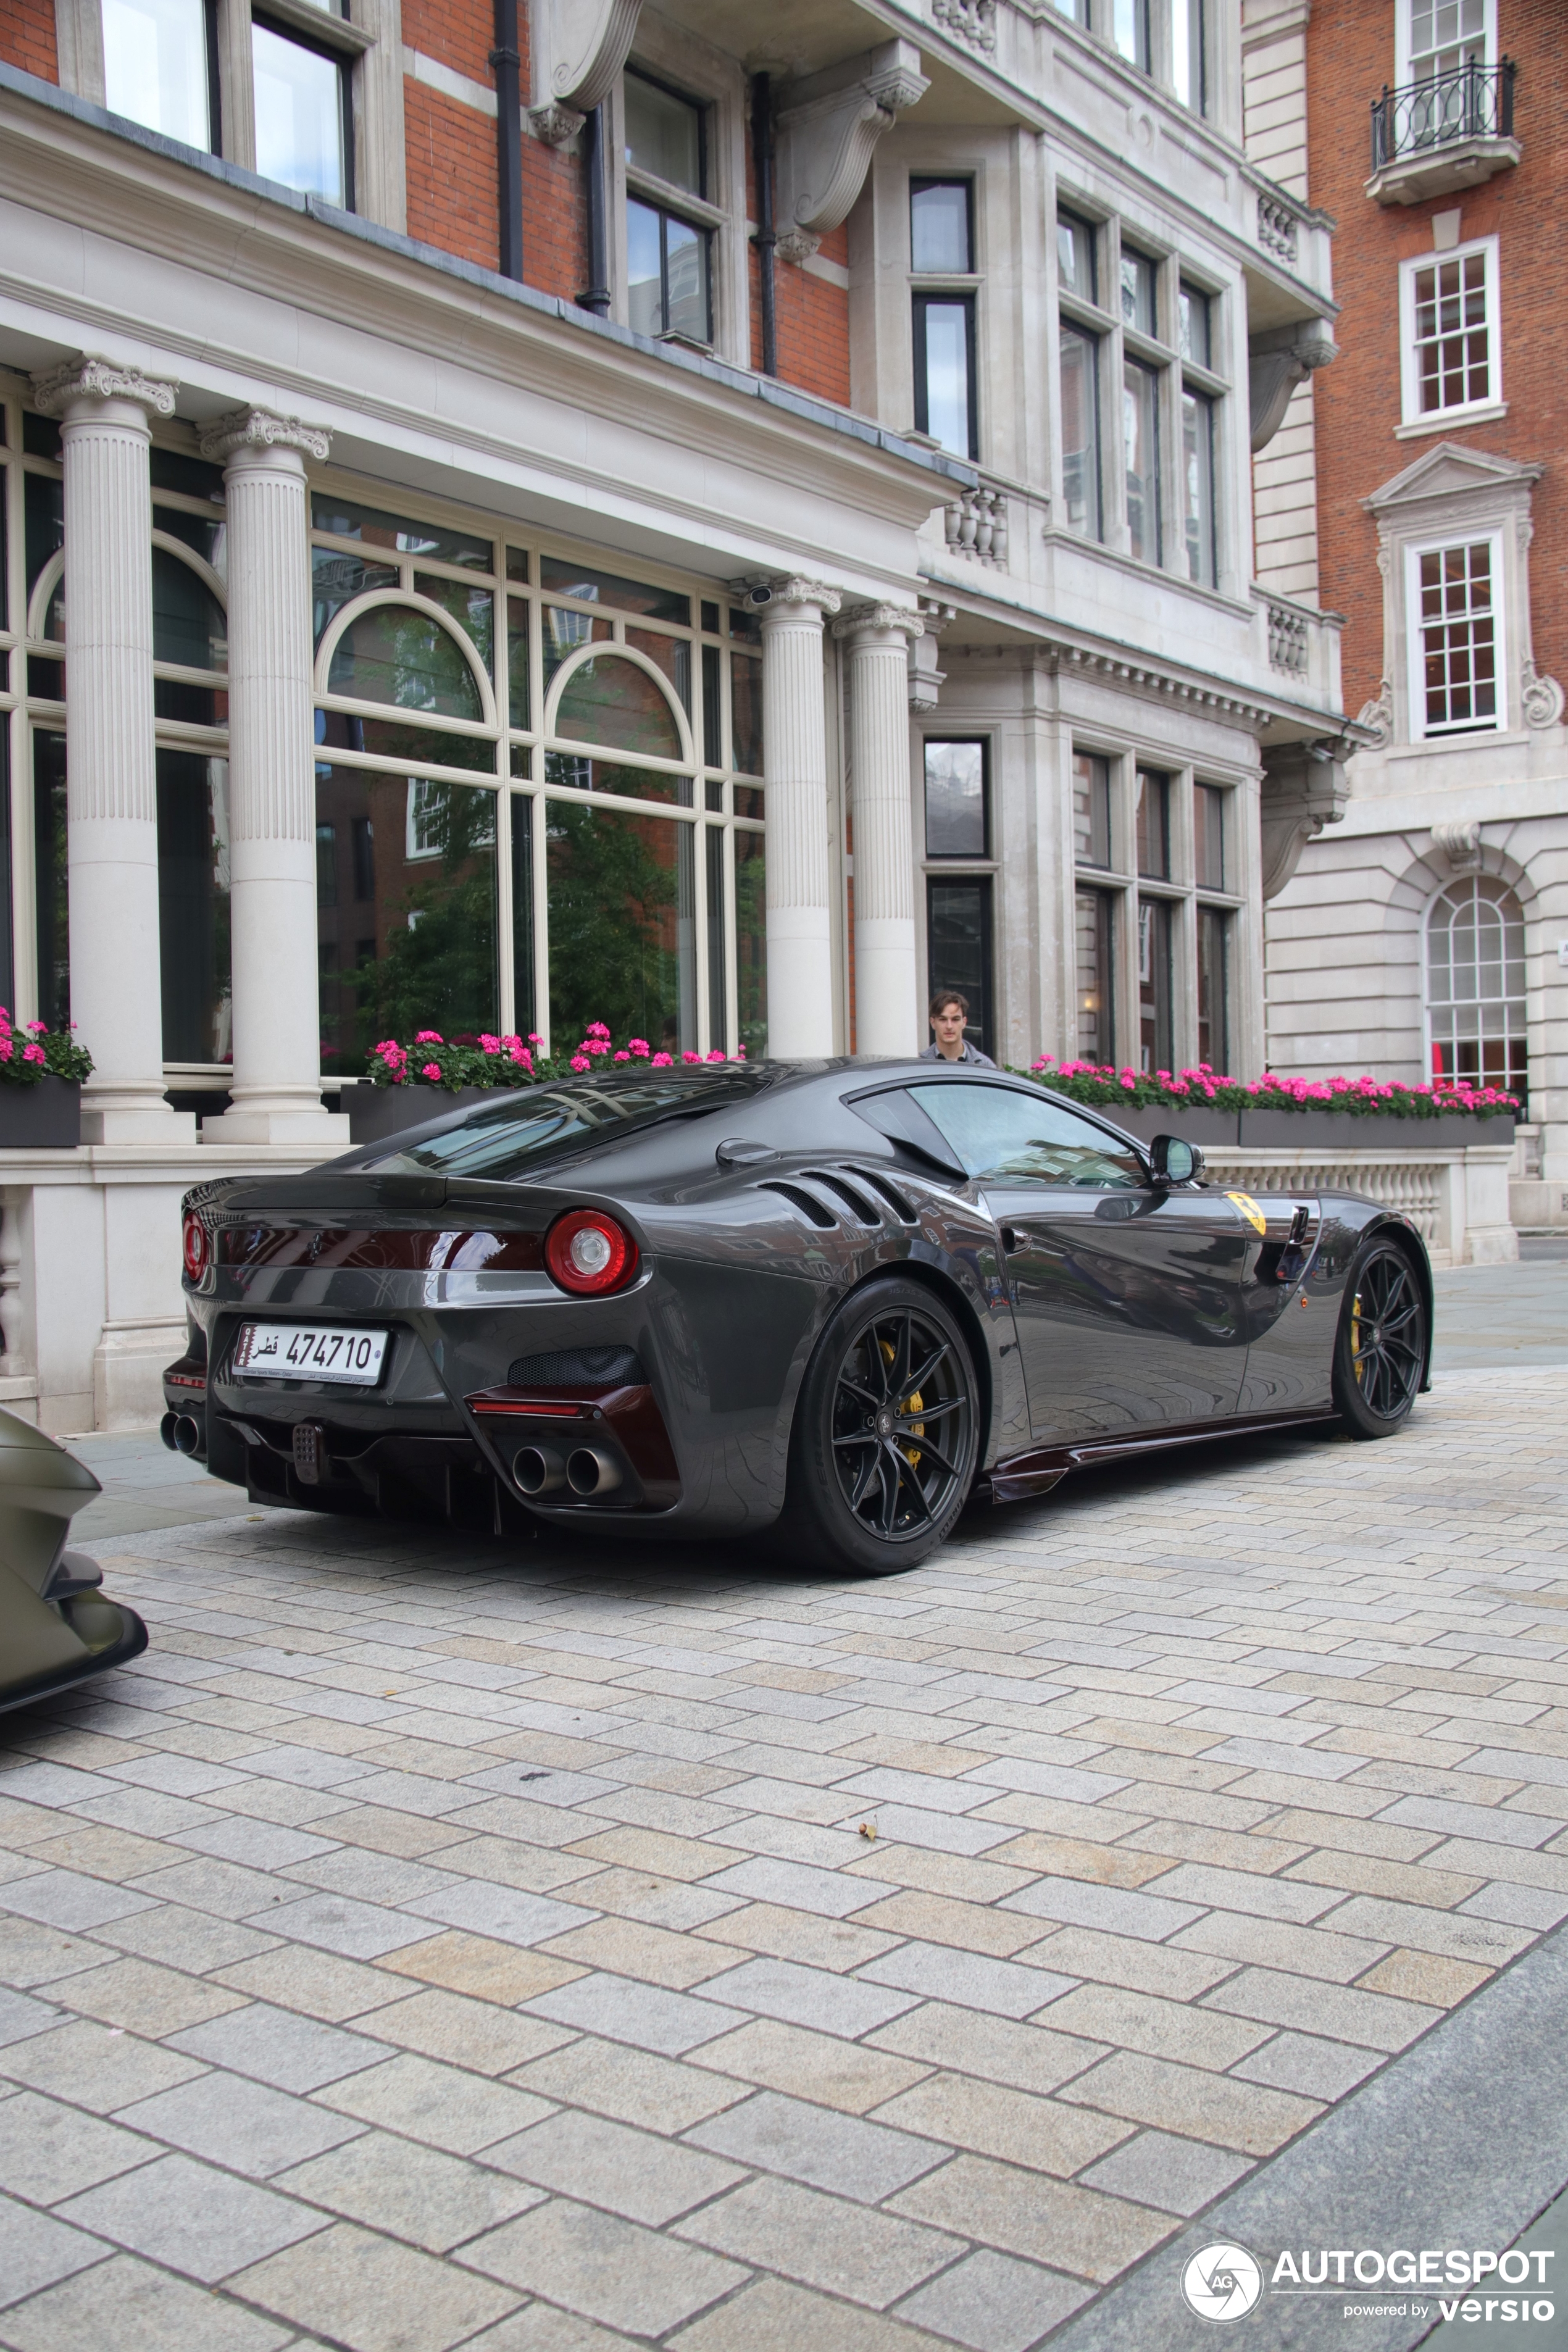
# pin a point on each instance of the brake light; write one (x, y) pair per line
(590, 1253)
(197, 1249)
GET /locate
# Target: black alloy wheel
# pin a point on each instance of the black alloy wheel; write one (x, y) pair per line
(884, 1443)
(1380, 1352)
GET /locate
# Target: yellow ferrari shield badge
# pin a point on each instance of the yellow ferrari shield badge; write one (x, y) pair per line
(1250, 1211)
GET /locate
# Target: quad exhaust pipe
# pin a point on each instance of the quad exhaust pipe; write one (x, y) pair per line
(544, 1470)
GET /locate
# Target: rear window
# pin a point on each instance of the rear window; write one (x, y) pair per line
(511, 1139)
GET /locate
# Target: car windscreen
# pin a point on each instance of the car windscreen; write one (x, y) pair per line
(509, 1140)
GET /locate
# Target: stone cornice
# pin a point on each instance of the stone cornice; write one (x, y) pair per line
(92, 377)
(262, 428)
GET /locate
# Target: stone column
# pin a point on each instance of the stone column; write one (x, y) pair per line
(112, 798)
(275, 1092)
(887, 1015)
(795, 767)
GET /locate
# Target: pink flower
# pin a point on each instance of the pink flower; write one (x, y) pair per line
(5, 1046)
(623, 1056)
(431, 1070)
(39, 1028)
(637, 1045)
(717, 1054)
(32, 1053)
(660, 1062)
(488, 1044)
(581, 1062)
(597, 1029)
(691, 1057)
(520, 1055)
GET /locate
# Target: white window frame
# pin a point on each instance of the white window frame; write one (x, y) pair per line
(1411, 412)
(706, 77)
(1404, 49)
(1415, 642)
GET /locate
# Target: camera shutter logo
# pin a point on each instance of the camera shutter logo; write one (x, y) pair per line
(1221, 2282)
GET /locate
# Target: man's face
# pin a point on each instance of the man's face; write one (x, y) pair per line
(948, 1028)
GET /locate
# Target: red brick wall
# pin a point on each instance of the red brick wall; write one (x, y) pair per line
(554, 220)
(452, 197)
(27, 36)
(1350, 57)
(811, 316)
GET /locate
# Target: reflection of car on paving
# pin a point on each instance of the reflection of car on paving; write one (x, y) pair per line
(55, 1626)
(832, 1298)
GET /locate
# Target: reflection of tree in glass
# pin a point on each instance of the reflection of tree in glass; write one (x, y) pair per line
(395, 654)
(751, 940)
(437, 970)
(612, 900)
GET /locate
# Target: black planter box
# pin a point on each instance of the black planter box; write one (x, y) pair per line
(377, 1112)
(1313, 1130)
(1209, 1129)
(44, 1117)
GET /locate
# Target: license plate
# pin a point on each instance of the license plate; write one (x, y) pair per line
(308, 1351)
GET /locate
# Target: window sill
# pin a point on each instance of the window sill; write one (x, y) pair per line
(1486, 412)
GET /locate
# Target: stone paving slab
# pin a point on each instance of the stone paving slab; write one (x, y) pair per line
(428, 1944)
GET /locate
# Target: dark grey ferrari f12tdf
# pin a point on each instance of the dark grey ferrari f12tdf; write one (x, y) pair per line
(832, 1300)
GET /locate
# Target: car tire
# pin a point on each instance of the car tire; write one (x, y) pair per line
(883, 1445)
(1380, 1348)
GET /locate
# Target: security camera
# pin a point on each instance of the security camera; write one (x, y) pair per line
(759, 596)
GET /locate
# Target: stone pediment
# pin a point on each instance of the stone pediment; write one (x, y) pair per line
(1452, 469)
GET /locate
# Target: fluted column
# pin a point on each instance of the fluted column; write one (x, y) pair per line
(275, 1091)
(795, 767)
(887, 1015)
(111, 796)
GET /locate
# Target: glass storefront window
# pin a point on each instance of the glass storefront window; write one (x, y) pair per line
(1096, 955)
(1155, 983)
(1091, 809)
(393, 653)
(192, 906)
(958, 947)
(622, 896)
(615, 702)
(1153, 825)
(1214, 987)
(51, 902)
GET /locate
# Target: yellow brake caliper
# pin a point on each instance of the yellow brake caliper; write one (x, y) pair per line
(1356, 1364)
(915, 1403)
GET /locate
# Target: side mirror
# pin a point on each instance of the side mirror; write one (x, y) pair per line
(1175, 1160)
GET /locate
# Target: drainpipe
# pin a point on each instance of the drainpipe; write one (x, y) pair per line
(595, 168)
(763, 152)
(505, 63)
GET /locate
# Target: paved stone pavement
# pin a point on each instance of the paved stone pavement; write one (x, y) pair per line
(429, 1944)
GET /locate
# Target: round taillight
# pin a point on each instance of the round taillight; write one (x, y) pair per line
(197, 1249)
(589, 1252)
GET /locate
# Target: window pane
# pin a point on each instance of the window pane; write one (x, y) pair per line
(1154, 825)
(395, 738)
(939, 226)
(525, 1016)
(1187, 52)
(189, 626)
(1155, 983)
(1130, 30)
(1195, 339)
(155, 66)
(50, 879)
(192, 906)
(1453, 342)
(1197, 485)
(1141, 434)
(1446, 35)
(752, 943)
(1075, 263)
(416, 949)
(579, 774)
(942, 389)
(43, 531)
(1458, 639)
(203, 537)
(394, 654)
(746, 714)
(672, 655)
(958, 949)
(1096, 950)
(1475, 1001)
(1009, 1136)
(564, 632)
(568, 579)
(686, 263)
(664, 133)
(1209, 843)
(517, 660)
(1214, 987)
(645, 270)
(473, 609)
(955, 799)
(1138, 293)
(611, 702)
(299, 116)
(1080, 431)
(713, 850)
(622, 933)
(7, 943)
(397, 533)
(1091, 809)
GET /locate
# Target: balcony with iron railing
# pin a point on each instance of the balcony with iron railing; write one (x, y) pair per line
(1442, 135)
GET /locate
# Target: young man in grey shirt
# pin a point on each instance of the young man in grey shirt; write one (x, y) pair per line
(949, 1016)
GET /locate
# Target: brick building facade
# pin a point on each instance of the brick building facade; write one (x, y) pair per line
(1421, 934)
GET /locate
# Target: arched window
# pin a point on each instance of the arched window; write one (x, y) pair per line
(1475, 985)
(616, 703)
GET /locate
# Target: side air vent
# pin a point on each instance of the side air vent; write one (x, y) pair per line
(857, 1202)
(901, 1208)
(579, 1367)
(803, 1201)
